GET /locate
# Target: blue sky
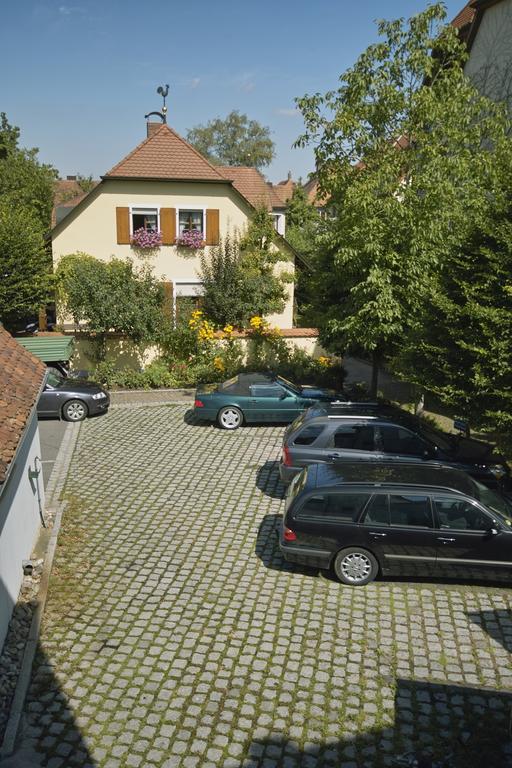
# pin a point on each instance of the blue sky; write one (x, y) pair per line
(79, 75)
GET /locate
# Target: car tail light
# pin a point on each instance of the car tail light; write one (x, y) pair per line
(198, 404)
(287, 459)
(289, 535)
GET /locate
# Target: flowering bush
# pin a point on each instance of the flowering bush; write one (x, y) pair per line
(191, 238)
(146, 238)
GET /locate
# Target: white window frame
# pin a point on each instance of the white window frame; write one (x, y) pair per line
(189, 208)
(135, 207)
(183, 281)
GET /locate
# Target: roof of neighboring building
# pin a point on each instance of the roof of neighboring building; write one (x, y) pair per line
(314, 196)
(21, 378)
(252, 185)
(165, 155)
(465, 16)
(285, 188)
(67, 193)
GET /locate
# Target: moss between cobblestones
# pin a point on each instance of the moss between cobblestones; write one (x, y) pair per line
(175, 631)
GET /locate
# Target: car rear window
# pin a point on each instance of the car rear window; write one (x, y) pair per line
(309, 434)
(342, 507)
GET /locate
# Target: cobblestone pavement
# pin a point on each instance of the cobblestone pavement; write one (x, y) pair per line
(175, 636)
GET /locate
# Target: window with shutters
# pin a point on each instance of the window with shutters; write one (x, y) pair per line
(145, 218)
(190, 221)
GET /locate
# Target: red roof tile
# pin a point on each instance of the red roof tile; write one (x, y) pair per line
(165, 155)
(252, 185)
(21, 377)
(465, 16)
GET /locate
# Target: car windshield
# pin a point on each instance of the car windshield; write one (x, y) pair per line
(54, 379)
(294, 388)
(496, 503)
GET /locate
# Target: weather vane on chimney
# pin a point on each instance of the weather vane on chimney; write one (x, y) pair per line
(163, 91)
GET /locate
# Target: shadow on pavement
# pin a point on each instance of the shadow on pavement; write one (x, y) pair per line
(48, 733)
(267, 549)
(268, 480)
(497, 624)
(430, 726)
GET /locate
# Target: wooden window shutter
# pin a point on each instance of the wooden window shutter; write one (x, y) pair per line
(168, 298)
(168, 225)
(123, 225)
(212, 226)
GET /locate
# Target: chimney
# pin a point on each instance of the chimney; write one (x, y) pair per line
(289, 175)
(152, 128)
(70, 178)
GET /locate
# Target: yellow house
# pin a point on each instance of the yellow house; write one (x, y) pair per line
(165, 186)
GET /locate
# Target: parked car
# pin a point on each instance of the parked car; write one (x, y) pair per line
(366, 518)
(256, 397)
(71, 399)
(377, 432)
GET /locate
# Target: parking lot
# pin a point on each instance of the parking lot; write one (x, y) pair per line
(175, 635)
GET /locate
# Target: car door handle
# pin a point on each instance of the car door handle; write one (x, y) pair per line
(334, 455)
(254, 400)
(374, 533)
(442, 538)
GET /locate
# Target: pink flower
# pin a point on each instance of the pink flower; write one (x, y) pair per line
(191, 238)
(146, 238)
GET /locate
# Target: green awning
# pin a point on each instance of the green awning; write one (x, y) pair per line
(49, 349)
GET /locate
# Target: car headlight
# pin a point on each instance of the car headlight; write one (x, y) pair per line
(498, 470)
(99, 396)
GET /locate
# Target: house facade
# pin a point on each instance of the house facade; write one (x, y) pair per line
(486, 27)
(21, 481)
(164, 185)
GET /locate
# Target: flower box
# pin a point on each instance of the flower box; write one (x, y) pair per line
(191, 239)
(146, 239)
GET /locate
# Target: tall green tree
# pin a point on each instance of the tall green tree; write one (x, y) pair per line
(24, 181)
(405, 150)
(25, 266)
(110, 296)
(234, 140)
(240, 278)
(461, 348)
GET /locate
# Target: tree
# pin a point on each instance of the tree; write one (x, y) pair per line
(86, 183)
(236, 140)
(112, 296)
(239, 275)
(462, 346)
(25, 266)
(24, 181)
(404, 148)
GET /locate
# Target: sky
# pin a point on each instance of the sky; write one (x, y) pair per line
(78, 76)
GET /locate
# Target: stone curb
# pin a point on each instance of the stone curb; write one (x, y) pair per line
(150, 404)
(54, 489)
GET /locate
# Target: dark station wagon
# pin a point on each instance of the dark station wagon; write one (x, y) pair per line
(363, 519)
(367, 432)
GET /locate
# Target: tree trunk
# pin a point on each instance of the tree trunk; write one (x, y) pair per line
(376, 358)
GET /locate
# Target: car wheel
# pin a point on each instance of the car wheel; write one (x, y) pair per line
(74, 410)
(230, 417)
(355, 566)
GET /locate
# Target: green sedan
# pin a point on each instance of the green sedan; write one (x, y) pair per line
(256, 397)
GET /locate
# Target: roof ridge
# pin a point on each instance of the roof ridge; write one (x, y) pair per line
(196, 151)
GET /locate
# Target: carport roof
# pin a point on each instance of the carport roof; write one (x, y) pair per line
(21, 379)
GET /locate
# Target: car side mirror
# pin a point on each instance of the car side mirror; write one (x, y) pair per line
(494, 530)
(285, 395)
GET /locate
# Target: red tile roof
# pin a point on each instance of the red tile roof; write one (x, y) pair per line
(252, 185)
(165, 155)
(465, 16)
(285, 189)
(21, 377)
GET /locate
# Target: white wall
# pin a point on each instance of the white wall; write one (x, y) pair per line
(490, 60)
(20, 521)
